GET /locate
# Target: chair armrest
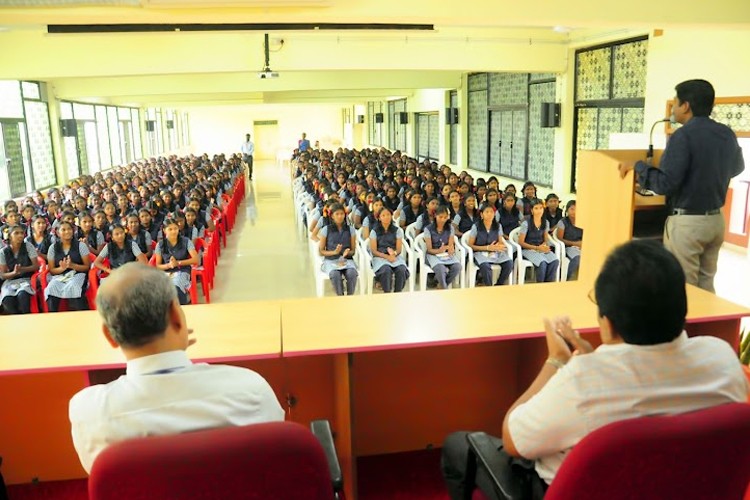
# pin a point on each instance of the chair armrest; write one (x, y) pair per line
(494, 463)
(321, 429)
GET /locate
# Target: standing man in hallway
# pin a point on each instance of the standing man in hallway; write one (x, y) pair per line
(303, 144)
(694, 173)
(248, 150)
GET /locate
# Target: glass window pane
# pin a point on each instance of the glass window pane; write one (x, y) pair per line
(11, 105)
(66, 110)
(31, 90)
(40, 144)
(630, 70)
(114, 136)
(592, 74)
(135, 119)
(105, 159)
(83, 111)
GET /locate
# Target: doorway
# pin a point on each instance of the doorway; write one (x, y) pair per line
(508, 142)
(266, 139)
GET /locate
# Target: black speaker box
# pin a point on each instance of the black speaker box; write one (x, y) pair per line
(403, 117)
(360, 118)
(378, 117)
(68, 127)
(150, 125)
(451, 116)
(550, 114)
(170, 124)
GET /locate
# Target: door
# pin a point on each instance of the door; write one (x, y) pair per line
(496, 142)
(11, 159)
(266, 139)
(518, 144)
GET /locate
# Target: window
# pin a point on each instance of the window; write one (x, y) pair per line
(610, 87)
(428, 136)
(396, 129)
(453, 131)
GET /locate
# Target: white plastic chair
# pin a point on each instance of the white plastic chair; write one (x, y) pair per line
(369, 275)
(562, 271)
(321, 278)
(520, 265)
(420, 252)
(471, 267)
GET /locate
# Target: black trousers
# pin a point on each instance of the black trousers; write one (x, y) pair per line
(183, 297)
(79, 304)
(20, 304)
(249, 160)
(462, 476)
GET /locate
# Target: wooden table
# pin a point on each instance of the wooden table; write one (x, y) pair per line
(393, 372)
(406, 370)
(46, 358)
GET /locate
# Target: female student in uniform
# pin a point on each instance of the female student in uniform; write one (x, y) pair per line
(529, 194)
(372, 220)
(413, 209)
(338, 243)
(93, 238)
(138, 235)
(493, 199)
(486, 239)
(572, 236)
(428, 216)
(534, 240)
(552, 212)
(147, 224)
(41, 238)
(68, 261)
(17, 263)
(454, 203)
(175, 254)
(385, 245)
(467, 216)
(119, 251)
(441, 252)
(509, 215)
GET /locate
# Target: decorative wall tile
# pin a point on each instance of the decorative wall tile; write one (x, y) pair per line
(40, 144)
(11, 136)
(478, 81)
(520, 131)
(630, 70)
(478, 130)
(423, 136)
(736, 116)
(496, 129)
(592, 74)
(506, 138)
(541, 140)
(507, 89)
(632, 120)
(535, 77)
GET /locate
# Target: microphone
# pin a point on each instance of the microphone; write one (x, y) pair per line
(650, 153)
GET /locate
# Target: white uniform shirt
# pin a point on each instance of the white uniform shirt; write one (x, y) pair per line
(623, 381)
(248, 148)
(143, 403)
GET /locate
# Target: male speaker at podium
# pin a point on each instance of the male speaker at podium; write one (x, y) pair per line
(694, 172)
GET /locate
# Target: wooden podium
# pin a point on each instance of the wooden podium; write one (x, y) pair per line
(608, 209)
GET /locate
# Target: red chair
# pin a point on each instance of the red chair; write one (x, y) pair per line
(43, 279)
(205, 272)
(701, 454)
(216, 215)
(213, 246)
(279, 460)
(34, 303)
(94, 276)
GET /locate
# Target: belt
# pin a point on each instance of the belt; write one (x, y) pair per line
(685, 211)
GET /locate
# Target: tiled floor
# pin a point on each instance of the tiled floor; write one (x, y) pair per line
(267, 259)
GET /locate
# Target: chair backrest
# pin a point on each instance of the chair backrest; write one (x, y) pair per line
(514, 235)
(270, 460)
(411, 232)
(701, 454)
(200, 244)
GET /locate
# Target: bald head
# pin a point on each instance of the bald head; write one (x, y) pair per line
(134, 304)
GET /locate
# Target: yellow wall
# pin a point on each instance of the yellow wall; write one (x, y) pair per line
(222, 129)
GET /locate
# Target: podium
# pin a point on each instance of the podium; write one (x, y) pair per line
(608, 209)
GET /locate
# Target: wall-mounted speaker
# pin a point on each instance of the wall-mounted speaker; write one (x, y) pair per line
(170, 124)
(150, 125)
(360, 118)
(403, 117)
(378, 117)
(68, 127)
(451, 116)
(550, 115)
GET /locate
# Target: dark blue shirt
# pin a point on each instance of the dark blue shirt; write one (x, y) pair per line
(698, 162)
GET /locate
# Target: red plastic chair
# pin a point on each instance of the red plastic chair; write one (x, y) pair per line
(204, 272)
(216, 215)
(213, 246)
(34, 303)
(43, 280)
(279, 460)
(94, 276)
(701, 454)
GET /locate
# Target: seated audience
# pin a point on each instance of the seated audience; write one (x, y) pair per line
(646, 365)
(338, 243)
(535, 243)
(441, 250)
(486, 239)
(162, 391)
(68, 261)
(552, 213)
(386, 242)
(119, 252)
(175, 254)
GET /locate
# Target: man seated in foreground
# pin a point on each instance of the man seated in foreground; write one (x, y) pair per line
(646, 365)
(162, 391)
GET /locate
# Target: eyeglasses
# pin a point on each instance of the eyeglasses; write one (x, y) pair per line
(592, 296)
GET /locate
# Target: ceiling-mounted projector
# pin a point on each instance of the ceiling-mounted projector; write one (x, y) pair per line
(267, 73)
